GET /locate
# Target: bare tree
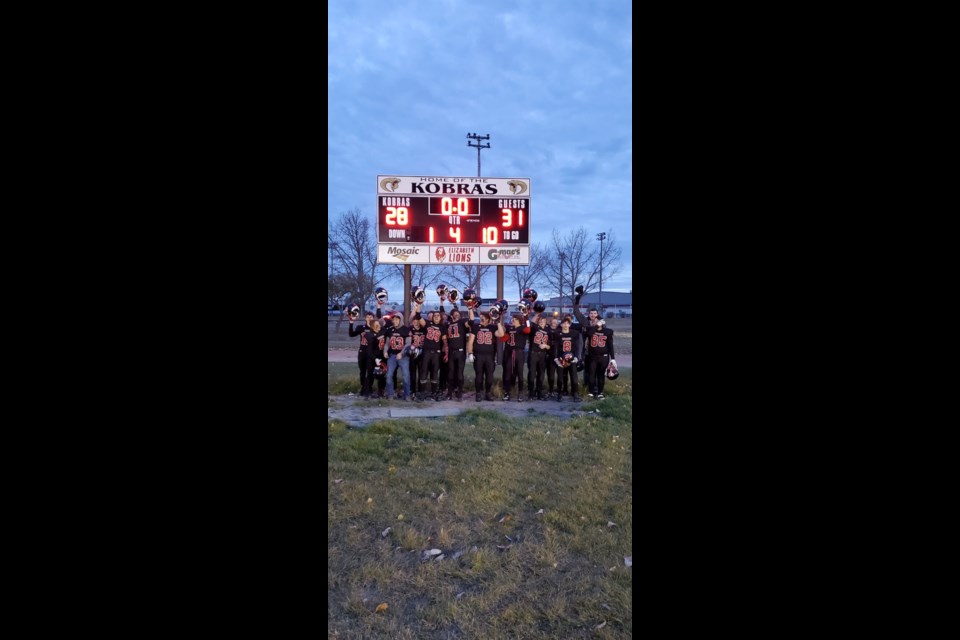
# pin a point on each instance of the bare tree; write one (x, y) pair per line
(424, 275)
(464, 276)
(339, 288)
(579, 259)
(525, 276)
(353, 255)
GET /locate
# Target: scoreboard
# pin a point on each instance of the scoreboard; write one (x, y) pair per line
(450, 220)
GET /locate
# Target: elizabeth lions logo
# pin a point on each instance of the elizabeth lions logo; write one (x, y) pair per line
(441, 254)
(503, 254)
(403, 254)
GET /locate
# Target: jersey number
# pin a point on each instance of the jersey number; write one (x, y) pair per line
(453, 331)
(433, 334)
(567, 346)
(485, 337)
(598, 340)
(396, 343)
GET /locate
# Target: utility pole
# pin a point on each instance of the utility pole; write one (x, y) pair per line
(480, 145)
(600, 237)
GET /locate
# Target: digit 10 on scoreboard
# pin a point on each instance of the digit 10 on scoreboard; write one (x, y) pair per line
(453, 220)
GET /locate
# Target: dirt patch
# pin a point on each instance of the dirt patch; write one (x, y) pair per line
(360, 412)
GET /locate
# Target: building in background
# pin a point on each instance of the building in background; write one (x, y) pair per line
(616, 304)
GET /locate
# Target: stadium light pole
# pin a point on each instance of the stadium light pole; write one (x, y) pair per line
(600, 237)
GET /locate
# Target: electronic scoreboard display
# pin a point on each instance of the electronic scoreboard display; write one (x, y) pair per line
(482, 213)
(454, 219)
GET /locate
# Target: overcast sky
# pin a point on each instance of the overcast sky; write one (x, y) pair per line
(549, 80)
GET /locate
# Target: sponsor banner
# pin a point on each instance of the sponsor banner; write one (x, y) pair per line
(505, 255)
(403, 253)
(444, 254)
(444, 185)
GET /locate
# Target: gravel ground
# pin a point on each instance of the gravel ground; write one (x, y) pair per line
(358, 412)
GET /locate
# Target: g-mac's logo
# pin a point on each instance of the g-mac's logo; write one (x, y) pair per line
(503, 254)
(441, 254)
(390, 184)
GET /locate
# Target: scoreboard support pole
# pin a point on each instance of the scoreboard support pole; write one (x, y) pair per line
(499, 282)
(406, 294)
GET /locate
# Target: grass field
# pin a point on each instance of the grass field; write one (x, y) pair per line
(532, 520)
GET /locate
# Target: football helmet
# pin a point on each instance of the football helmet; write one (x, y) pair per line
(539, 307)
(381, 370)
(470, 298)
(417, 294)
(504, 305)
(453, 294)
(524, 307)
(411, 351)
(567, 357)
(530, 294)
(612, 373)
(441, 290)
(381, 294)
(495, 312)
(353, 311)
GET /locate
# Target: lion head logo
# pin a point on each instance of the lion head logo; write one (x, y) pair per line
(441, 254)
(390, 184)
(517, 187)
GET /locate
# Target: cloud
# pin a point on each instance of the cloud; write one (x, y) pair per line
(550, 81)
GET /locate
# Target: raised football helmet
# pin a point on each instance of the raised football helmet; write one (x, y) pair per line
(353, 311)
(470, 298)
(441, 290)
(504, 305)
(539, 307)
(453, 294)
(381, 294)
(495, 312)
(417, 294)
(530, 294)
(524, 307)
(612, 372)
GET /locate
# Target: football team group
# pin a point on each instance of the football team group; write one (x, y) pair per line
(430, 352)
